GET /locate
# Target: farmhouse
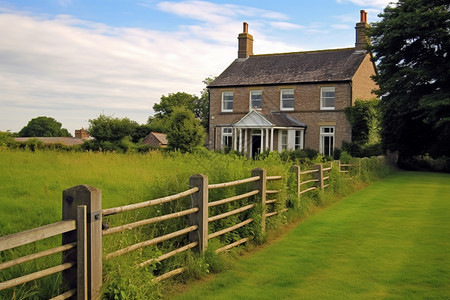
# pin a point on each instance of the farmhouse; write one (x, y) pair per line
(289, 101)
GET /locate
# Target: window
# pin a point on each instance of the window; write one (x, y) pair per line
(327, 140)
(227, 138)
(298, 140)
(227, 101)
(327, 97)
(284, 140)
(287, 99)
(256, 99)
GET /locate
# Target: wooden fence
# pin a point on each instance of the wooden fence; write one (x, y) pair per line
(82, 232)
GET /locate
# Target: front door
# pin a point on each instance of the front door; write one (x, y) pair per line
(256, 144)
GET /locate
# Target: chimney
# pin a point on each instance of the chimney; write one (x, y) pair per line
(361, 38)
(81, 134)
(245, 43)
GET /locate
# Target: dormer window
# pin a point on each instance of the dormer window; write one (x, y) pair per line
(227, 101)
(256, 100)
(327, 98)
(287, 99)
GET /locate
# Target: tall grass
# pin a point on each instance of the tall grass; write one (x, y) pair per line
(31, 196)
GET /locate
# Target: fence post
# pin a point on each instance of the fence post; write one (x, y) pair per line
(261, 186)
(319, 176)
(92, 198)
(200, 218)
(297, 171)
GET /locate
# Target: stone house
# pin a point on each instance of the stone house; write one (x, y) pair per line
(288, 101)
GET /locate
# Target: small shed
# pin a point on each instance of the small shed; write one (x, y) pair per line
(156, 139)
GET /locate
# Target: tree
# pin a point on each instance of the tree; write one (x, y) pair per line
(199, 106)
(411, 45)
(43, 127)
(185, 132)
(107, 128)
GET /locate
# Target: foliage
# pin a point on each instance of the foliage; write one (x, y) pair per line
(411, 47)
(364, 118)
(185, 132)
(44, 127)
(199, 106)
(106, 128)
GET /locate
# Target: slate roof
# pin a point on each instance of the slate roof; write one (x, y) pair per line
(280, 119)
(290, 68)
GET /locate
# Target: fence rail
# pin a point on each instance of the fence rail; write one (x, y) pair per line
(82, 232)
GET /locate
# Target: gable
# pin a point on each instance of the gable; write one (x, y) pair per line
(253, 119)
(291, 68)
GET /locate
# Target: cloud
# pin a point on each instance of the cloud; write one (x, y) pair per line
(66, 64)
(286, 26)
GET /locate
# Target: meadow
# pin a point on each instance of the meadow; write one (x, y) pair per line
(389, 240)
(31, 195)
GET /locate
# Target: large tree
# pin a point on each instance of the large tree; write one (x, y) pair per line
(43, 127)
(411, 46)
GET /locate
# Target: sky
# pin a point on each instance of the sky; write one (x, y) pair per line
(74, 60)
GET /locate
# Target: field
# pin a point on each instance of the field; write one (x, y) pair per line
(31, 196)
(390, 240)
(32, 182)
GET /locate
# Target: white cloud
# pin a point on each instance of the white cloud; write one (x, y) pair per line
(64, 64)
(286, 26)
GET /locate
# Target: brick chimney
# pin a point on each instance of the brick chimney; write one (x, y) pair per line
(361, 38)
(81, 134)
(245, 43)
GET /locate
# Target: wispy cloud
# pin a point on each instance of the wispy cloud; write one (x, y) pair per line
(286, 26)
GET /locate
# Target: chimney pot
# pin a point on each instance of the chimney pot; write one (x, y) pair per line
(363, 16)
(245, 27)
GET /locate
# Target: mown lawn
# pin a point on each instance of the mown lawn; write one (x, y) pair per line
(390, 240)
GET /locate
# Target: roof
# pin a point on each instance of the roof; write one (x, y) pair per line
(68, 141)
(255, 119)
(290, 68)
(161, 137)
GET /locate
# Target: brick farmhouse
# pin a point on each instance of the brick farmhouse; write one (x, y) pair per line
(289, 101)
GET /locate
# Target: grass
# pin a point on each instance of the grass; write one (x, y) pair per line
(389, 240)
(31, 195)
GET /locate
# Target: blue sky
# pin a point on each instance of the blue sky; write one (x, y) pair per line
(74, 60)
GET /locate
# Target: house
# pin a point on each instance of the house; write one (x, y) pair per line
(156, 139)
(289, 101)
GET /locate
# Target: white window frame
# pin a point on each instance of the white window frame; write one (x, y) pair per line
(323, 90)
(227, 93)
(298, 140)
(254, 92)
(281, 99)
(227, 133)
(283, 145)
(325, 135)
